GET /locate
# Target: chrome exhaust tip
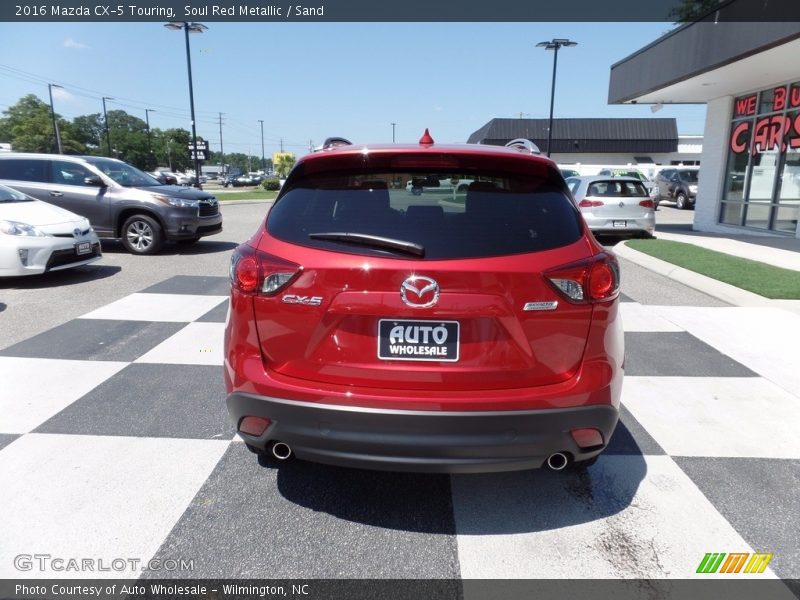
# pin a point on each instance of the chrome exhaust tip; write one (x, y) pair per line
(281, 450)
(557, 461)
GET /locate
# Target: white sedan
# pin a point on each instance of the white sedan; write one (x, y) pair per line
(36, 237)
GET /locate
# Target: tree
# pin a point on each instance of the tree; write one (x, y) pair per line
(691, 10)
(28, 126)
(89, 131)
(284, 161)
(171, 148)
(237, 161)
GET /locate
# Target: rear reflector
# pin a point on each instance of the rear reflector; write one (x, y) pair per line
(590, 280)
(254, 425)
(587, 438)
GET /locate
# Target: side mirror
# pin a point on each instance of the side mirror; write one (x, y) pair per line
(94, 180)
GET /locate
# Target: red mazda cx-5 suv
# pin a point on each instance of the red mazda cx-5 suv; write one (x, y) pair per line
(425, 308)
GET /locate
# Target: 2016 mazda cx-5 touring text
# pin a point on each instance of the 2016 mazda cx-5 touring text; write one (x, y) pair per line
(467, 328)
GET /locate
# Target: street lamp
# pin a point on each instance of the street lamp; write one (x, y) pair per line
(150, 157)
(553, 45)
(393, 124)
(187, 29)
(263, 162)
(56, 133)
(105, 123)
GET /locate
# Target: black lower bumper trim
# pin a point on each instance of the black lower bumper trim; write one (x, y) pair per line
(422, 441)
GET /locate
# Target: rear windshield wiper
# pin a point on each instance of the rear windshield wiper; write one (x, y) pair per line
(375, 241)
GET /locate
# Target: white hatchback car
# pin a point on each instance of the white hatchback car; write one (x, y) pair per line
(36, 237)
(614, 205)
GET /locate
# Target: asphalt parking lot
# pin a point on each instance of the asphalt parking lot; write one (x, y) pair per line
(114, 441)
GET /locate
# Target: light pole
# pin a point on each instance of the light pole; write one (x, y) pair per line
(393, 125)
(56, 133)
(190, 28)
(263, 162)
(105, 123)
(553, 45)
(150, 160)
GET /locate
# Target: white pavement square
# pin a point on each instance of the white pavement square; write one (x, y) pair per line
(195, 344)
(763, 339)
(716, 416)
(630, 517)
(173, 308)
(637, 317)
(35, 389)
(96, 497)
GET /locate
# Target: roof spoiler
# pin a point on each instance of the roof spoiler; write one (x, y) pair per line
(524, 144)
(334, 142)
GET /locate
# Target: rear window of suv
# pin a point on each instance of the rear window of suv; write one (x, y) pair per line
(442, 215)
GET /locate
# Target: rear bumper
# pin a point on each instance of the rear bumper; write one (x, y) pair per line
(423, 441)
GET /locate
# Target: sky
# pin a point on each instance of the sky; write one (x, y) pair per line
(310, 81)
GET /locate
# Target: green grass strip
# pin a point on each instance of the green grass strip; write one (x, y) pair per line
(254, 195)
(757, 277)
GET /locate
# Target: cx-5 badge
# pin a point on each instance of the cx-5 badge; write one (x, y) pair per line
(419, 291)
(307, 300)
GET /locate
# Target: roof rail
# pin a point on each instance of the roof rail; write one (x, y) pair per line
(524, 144)
(335, 142)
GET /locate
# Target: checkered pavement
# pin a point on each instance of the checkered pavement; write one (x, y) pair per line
(115, 442)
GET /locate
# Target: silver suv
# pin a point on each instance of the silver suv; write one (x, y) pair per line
(120, 201)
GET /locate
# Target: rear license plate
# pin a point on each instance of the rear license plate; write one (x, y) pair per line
(401, 339)
(620, 223)
(83, 248)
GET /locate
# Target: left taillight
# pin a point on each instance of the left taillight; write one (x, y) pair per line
(255, 272)
(592, 280)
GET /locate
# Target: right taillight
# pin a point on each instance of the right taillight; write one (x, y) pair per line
(647, 203)
(591, 280)
(255, 272)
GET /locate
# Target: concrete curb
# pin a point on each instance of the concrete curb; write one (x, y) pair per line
(722, 291)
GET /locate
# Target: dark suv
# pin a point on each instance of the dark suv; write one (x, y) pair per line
(678, 185)
(119, 200)
(373, 328)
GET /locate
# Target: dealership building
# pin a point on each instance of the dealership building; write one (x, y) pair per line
(748, 75)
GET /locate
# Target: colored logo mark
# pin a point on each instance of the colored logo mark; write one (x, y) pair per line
(735, 562)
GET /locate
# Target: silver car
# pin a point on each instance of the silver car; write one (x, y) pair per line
(614, 205)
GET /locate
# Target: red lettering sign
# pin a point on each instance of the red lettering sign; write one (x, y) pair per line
(795, 141)
(769, 132)
(794, 96)
(745, 106)
(779, 98)
(738, 138)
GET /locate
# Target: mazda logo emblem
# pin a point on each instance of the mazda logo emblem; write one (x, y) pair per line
(419, 291)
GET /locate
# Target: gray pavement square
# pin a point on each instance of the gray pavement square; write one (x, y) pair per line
(6, 439)
(759, 498)
(151, 400)
(308, 520)
(218, 314)
(95, 339)
(677, 354)
(192, 284)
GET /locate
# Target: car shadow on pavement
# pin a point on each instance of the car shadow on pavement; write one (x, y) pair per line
(202, 247)
(481, 504)
(74, 276)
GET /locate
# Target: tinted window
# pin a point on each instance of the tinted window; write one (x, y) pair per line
(123, 173)
(24, 169)
(688, 176)
(475, 215)
(617, 188)
(69, 173)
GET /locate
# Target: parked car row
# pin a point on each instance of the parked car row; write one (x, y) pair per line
(112, 198)
(241, 180)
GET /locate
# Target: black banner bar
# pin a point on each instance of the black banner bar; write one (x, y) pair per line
(399, 10)
(710, 587)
